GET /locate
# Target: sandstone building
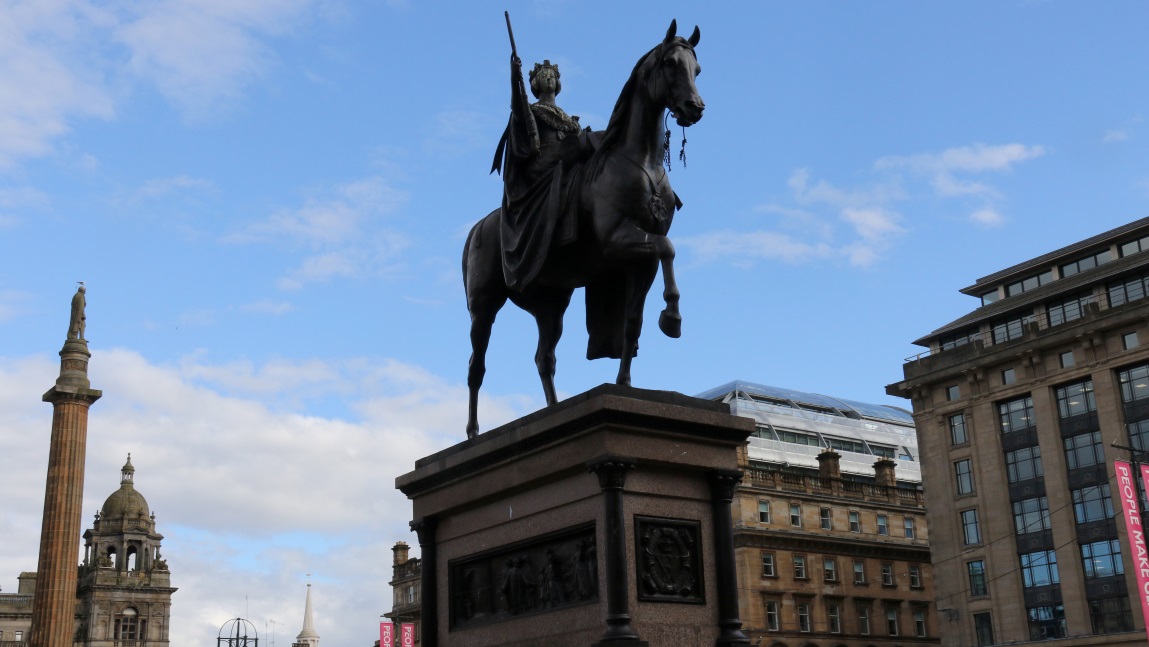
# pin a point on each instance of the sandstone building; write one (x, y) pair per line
(830, 530)
(406, 603)
(1017, 406)
(123, 598)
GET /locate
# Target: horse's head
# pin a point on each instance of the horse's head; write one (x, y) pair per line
(670, 76)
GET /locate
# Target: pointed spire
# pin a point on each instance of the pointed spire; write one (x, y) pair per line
(308, 636)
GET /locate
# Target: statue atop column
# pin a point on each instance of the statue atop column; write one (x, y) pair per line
(79, 320)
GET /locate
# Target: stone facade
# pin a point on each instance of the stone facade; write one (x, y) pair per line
(406, 601)
(123, 596)
(832, 545)
(1018, 407)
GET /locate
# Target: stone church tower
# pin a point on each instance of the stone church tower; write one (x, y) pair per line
(125, 587)
(308, 637)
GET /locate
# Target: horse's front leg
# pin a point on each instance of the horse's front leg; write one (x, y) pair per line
(670, 321)
(548, 312)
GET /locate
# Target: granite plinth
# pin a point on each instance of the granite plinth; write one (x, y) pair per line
(505, 521)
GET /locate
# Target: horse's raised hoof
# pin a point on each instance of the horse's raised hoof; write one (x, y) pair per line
(670, 324)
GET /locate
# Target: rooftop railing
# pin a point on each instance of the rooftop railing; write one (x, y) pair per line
(775, 480)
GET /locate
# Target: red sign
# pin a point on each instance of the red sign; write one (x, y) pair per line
(1127, 489)
(386, 634)
(408, 635)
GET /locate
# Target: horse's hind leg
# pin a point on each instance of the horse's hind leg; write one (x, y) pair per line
(548, 312)
(483, 311)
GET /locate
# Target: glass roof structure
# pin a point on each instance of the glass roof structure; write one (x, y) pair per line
(795, 426)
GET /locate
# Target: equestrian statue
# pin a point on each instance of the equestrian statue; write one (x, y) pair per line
(582, 209)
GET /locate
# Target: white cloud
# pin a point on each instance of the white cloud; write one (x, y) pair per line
(825, 193)
(976, 158)
(163, 186)
(988, 217)
(1115, 136)
(67, 60)
(745, 245)
(249, 497)
(873, 224)
(947, 186)
(13, 303)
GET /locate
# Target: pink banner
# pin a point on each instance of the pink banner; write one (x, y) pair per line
(408, 635)
(1127, 489)
(386, 634)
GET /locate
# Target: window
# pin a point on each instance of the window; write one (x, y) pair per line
(908, 525)
(764, 512)
(915, 576)
(855, 521)
(1110, 615)
(1129, 341)
(990, 297)
(1092, 503)
(1028, 283)
(1134, 383)
(797, 438)
(773, 622)
(957, 429)
(1008, 376)
(888, 574)
(1102, 559)
(963, 471)
(1130, 288)
(1139, 434)
(1023, 464)
(1016, 415)
(1084, 450)
(977, 583)
(830, 569)
(1009, 329)
(983, 629)
(1089, 262)
(1046, 623)
(970, 530)
(795, 515)
(1039, 569)
(1075, 399)
(920, 623)
(1069, 309)
(834, 616)
(892, 621)
(799, 567)
(768, 565)
(884, 452)
(804, 617)
(128, 624)
(19, 636)
(827, 519)
(953, 392)
(1134, 246)
(843, 445)
(863, 620)
(1031, 515)
(960, 338)
(883, 525)
(859, 572)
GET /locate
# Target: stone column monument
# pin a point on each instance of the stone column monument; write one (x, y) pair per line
(54, 603)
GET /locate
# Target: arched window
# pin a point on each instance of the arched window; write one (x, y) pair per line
(128, 624)
(131, 563)
(112, 556)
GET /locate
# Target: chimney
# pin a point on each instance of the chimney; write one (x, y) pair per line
(829, 465)
(884, 472)
(400, 549)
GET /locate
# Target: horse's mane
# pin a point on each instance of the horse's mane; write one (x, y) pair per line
(619, 117)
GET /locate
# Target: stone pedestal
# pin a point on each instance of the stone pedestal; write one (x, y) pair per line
(601, 521)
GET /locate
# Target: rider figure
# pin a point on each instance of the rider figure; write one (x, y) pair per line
(536, 155)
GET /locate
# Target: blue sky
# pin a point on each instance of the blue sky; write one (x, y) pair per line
(268, 200)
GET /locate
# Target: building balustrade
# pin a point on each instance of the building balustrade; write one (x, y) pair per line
(774, 480)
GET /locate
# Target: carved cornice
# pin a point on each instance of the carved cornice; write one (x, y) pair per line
(845, 546)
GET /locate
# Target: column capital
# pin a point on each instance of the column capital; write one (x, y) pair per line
(611, 470)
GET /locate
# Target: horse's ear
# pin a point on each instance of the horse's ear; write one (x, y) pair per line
(693, 40)
(672, 31)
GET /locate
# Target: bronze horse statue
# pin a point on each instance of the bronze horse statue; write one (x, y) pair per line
(623, 208)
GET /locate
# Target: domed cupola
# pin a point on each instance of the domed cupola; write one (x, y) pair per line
(123, 536)
(125, 504)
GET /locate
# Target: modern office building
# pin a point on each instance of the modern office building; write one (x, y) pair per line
(830, 530)
(1018, 405)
